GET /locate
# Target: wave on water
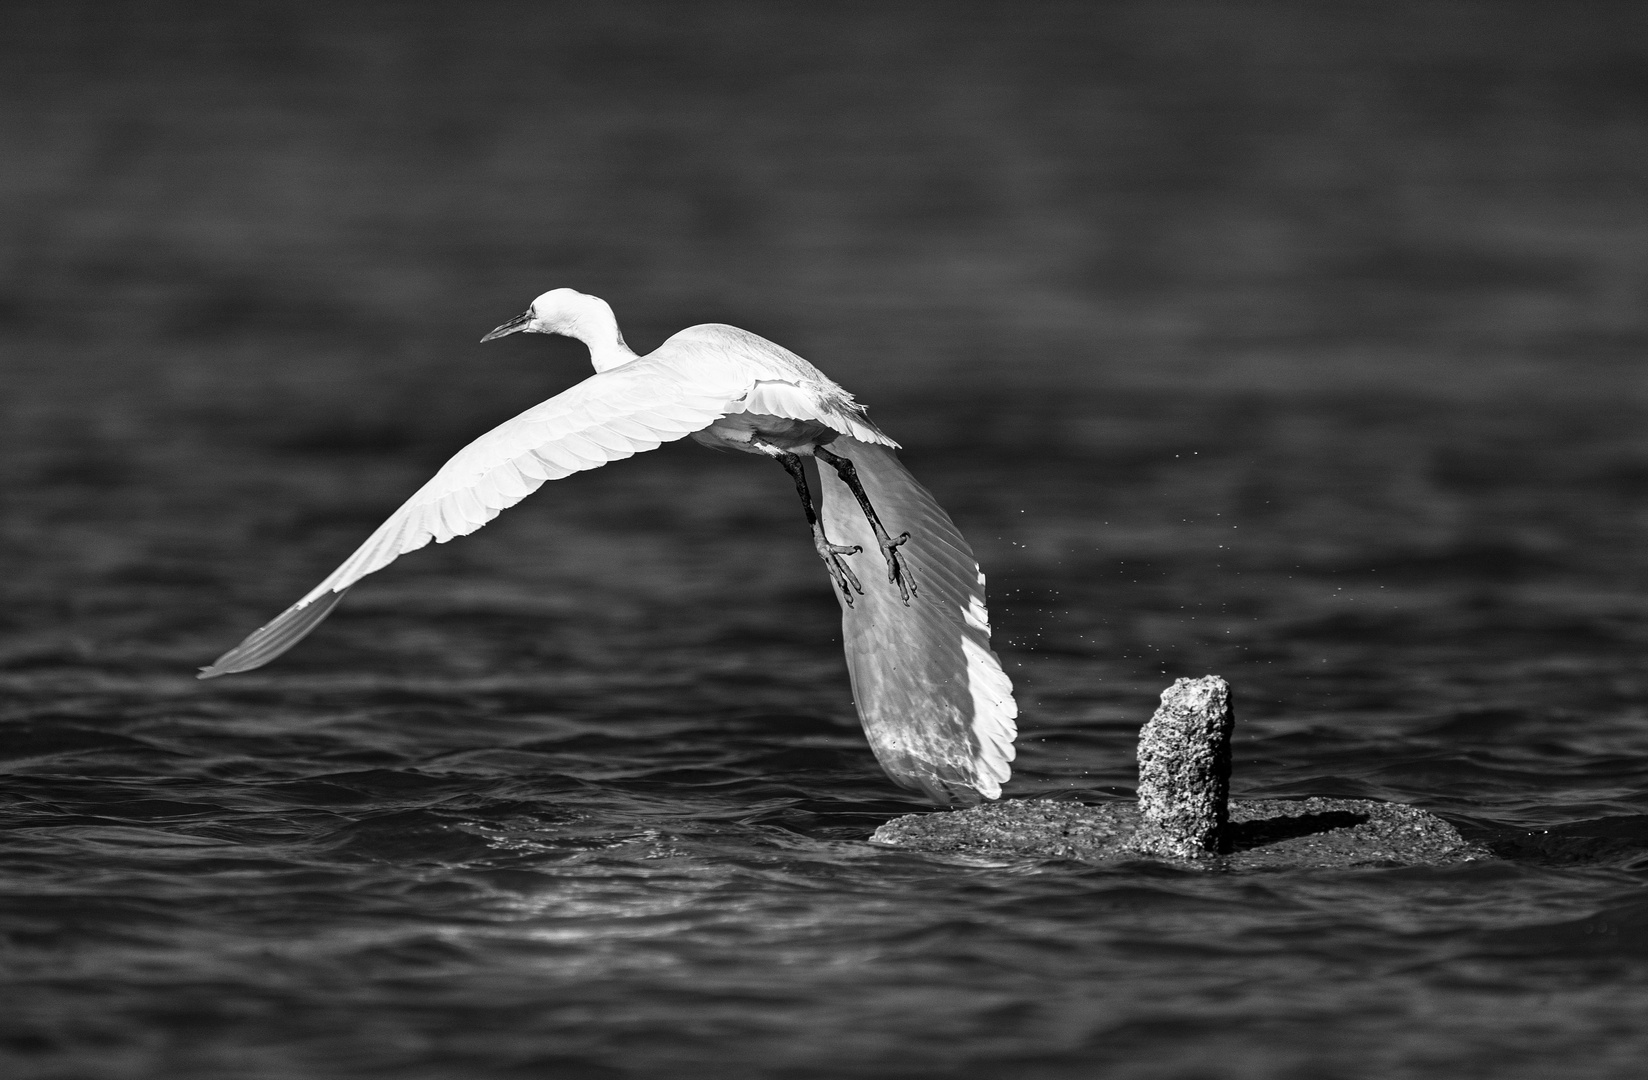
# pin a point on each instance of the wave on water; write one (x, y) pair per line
(583, 795)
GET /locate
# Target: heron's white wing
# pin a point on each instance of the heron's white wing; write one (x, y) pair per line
(781, 383)
(935, 703)
(608, 416)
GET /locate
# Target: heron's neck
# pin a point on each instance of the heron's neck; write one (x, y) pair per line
(598, 329)
(608, 353)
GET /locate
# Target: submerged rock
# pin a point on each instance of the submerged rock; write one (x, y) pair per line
(1044, 828)
(1342, 832)
(1184, 812)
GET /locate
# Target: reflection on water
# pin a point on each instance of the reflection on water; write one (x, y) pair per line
(583, 793)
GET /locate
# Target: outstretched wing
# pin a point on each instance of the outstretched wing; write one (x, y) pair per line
(936, 706)
(608, 416)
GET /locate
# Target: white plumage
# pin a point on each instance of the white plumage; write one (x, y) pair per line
(935, 704)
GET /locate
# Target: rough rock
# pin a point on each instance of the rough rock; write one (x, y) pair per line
(1042, 828)
(1184, 770)
(1262, 833)
(1184, 814)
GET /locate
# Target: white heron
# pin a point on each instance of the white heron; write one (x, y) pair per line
(936, 706)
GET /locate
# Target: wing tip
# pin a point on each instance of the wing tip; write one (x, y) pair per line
(275, 637)
(950, 784)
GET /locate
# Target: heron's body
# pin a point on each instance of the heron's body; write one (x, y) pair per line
(935, 704)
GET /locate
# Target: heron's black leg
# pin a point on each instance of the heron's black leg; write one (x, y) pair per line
(897, 572)
(844, 578)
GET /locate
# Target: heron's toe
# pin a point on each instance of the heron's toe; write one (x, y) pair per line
(898, 571)
(840, 572)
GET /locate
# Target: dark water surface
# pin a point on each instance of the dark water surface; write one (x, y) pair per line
(1297, 343)
(583, 795)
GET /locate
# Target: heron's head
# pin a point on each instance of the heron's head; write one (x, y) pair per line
(560, 311)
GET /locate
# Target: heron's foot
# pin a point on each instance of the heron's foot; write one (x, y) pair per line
(840, 572)
(898, 573)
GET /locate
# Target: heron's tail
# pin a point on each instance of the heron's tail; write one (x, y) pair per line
(936, 706)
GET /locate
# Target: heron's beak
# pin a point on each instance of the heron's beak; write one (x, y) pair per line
(513, 326)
